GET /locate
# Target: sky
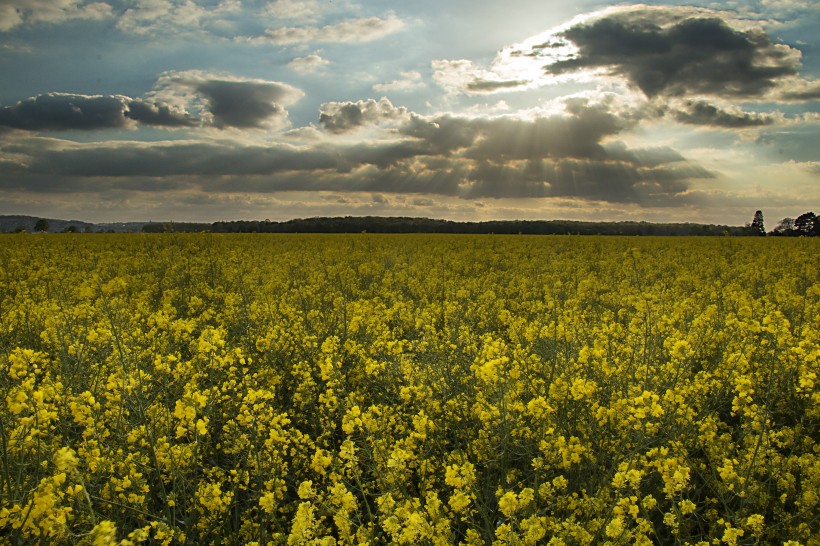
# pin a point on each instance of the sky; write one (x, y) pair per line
(209, 110)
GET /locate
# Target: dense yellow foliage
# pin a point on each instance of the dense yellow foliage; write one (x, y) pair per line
(302, 389)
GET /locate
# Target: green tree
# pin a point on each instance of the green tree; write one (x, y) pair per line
(784, 227)
(757, 224)
(41, 225)
(807, 224)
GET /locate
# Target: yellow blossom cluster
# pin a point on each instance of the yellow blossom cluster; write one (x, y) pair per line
(369, 389)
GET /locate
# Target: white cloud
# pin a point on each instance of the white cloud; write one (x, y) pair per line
(775, 13)
(17, 12)
(9, 17)
(167, 16)
(292, 9)
(309, 63)
(409, 81)
(365, 29)
(454, 75)
(462, 76)
(343, 117)
(797, 90)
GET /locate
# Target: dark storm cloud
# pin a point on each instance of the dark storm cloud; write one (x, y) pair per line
(343, 117)
(444, 134)
(175, 159)
(127, 159)
(230, 101)
(489, 179)
(578, 135)
(217, 101)
(613, 181)
(62, 112)
(68, 112)
(604, 179)
(563, 155)
(157, 114)
(675, 51)
(646, 157)
(243, 104)
(397, 179)
(379, 154)
(704, 113)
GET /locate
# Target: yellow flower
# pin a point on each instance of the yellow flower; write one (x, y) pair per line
(202, 426)
(459, 501)
(352, 420)
(732, 534)
(320, 461)
(306, 490)
(65, 459)
(615, 527)
(508, 503)
(104, 534)
(268, 502)
(671, 521)
(755, 523)
(687, 507)
(303, 527)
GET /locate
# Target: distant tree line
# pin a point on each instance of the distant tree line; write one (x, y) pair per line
(176, 227)
(806, 225)
(381, 224)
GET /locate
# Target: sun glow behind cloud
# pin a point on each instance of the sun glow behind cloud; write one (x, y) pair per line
(526, 61)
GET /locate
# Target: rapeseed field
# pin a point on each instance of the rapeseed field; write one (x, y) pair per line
(366, 389)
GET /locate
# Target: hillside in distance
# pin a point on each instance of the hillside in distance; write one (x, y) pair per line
(18, 223)
(12, 223)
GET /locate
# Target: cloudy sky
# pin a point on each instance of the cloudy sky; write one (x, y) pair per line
(204, 110)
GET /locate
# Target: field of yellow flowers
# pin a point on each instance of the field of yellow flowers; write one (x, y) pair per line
(359, 389)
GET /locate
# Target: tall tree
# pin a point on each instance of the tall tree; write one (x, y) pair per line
(757, 224)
